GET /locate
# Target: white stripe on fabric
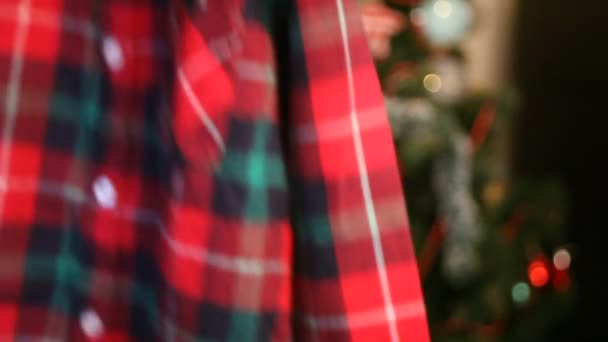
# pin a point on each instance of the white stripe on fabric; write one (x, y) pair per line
(74, 194)
(185, 84)
(200, 111)
(322, 29)
(236, 264)
(365, 183)
(250, 70)
(340, 128)
(137, 46)
(196, 68)
(365, 319)
(12, 98)
(51, 19)
(23, 338)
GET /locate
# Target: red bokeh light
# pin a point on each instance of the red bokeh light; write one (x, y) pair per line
(561, 281)
(538, 274)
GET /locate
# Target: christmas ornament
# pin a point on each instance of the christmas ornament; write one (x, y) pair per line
(443, 22)
(380, 24)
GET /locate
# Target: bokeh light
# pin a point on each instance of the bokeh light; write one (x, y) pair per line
(538, 274)
(562, 259)
(432, 83)
(520, 292)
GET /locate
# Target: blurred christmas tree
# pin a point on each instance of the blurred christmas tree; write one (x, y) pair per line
(491, 249)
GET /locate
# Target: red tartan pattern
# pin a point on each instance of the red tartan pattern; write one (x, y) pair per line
(198, 170)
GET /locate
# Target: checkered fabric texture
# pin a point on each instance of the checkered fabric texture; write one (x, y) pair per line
(212, 170)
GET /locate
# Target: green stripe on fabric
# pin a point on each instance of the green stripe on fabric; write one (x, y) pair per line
(64, 269)
(90, 109)
(253, 170)
(69, 270)
(258, 169)
(257, 176)
(41, 267)
(312, 229)
(145, 297)
(67, 107)
(243, 327)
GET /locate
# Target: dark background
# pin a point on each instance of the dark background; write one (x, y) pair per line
(560, 66)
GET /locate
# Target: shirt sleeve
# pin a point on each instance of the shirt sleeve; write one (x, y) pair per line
(355, 275)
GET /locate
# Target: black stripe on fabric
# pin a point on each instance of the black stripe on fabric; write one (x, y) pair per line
(61, 135)
(267, 325)
(229, 198)
(213, 322)
(61, 259)
(316, 261)
(240, 134)
(311, 197)
(78, 122)
(278, 206)
(144, 325)
(314, 256)
(156, 152)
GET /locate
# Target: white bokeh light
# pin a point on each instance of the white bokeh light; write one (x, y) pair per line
(562, 259)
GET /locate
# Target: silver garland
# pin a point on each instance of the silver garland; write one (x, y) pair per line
(450, 154)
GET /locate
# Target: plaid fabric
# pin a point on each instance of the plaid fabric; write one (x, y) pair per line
(216, 170)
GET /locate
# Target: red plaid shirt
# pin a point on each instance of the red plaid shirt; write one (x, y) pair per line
(216, 170)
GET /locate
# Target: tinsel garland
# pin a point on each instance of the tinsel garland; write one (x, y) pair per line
(425, 132)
